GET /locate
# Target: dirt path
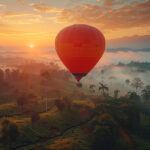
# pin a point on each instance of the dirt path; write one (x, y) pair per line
(46, 140)
(125, 135)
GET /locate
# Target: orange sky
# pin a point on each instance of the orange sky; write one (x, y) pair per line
(26, 22)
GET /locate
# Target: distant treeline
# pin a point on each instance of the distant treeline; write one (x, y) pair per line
(141, 66)
(33, 77)
(128, 49)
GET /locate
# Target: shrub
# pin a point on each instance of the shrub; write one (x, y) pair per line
(9, 133)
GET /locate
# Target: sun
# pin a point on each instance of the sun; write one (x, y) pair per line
(31, 46)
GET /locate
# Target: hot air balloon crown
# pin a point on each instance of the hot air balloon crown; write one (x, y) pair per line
(80, 47)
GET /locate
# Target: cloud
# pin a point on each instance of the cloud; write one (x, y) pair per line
(21, 1)
(108, 3)
(115, 17)
(86, 13)
(98, 1)
(10, 31)
(12, 18)
(16, 15)
(2, 6)
(145, 5)
(2, 25)
(71, 3)
(120, 56)
(41, 7)
(74, 1)
(133, 42)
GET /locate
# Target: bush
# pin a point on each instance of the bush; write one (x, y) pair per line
(9, 133)
(35, 116)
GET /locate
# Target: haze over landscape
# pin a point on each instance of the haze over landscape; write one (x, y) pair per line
(30, 27)
(42, 104)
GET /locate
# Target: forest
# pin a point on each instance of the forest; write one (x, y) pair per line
(42, 108)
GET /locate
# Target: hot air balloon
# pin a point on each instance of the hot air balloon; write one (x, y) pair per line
(80, 47)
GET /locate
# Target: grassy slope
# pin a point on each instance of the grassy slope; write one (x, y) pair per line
(67, 124)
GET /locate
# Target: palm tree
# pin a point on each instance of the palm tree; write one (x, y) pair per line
(146, 93)
(116, 92)
(92, 88)
(133, 96)
(46, 75)
(127, 81)
(22, 100)
(9, 133)
(137, 83)
(45, 79)
(1, 75)
(102, 72)
(103, 88)
(8, 75)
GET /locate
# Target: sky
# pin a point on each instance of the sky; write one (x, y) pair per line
(35, 23)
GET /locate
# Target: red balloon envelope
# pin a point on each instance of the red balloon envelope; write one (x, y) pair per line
(80, 47)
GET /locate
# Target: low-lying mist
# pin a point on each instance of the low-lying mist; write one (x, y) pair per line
(115, 65)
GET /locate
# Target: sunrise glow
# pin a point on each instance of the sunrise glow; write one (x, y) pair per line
(75, 74)
(23, 21)
(32, 46)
